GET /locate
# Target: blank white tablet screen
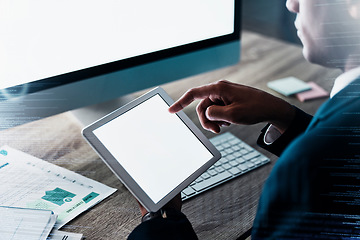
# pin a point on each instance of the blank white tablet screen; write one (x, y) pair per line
(154, 146)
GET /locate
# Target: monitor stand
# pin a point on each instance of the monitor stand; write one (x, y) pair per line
(90, 114)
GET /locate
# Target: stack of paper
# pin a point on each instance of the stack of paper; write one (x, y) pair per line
(29, 182)
(29, 224)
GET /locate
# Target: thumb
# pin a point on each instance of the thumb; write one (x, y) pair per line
(218, 113)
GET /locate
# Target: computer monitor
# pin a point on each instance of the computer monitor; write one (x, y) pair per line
(61, 55)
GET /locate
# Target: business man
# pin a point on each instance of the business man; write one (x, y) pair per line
(313, 190)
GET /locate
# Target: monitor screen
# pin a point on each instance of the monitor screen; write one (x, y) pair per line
(43, 38)
(57, 55)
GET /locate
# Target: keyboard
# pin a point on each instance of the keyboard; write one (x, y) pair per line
(237, 158)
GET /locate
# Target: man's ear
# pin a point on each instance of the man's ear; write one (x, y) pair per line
(354, 9)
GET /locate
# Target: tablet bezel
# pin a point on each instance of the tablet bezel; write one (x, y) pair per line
(123, 175)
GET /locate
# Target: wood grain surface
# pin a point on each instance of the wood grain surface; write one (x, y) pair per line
(225, 212)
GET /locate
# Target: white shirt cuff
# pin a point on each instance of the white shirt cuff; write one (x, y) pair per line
(271, 135)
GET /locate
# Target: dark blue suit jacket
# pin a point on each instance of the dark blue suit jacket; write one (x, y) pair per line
(314, 189)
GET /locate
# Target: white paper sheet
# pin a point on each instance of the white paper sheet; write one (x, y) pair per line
(29, 224)
(29, 182)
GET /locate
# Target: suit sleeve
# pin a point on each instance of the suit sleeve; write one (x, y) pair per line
(297, 127)
(178, 228)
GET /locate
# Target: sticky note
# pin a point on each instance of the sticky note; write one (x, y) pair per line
(315, 92)
(288, 86)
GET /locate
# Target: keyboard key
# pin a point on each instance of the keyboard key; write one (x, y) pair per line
(250, 164)
(234, 141)
(226, 145)
(199, 179)
(243, 167)
(205, 175)
(188, 191)
(235, 148)
(251, 155)
(223, 160)
(211, 181)
(228, 151)
(223, 153)
(230, 157)
(243, 151)
(241, 160)
(219, 169)
(218, 163)
(237, 154)
(247, 147)
(212, 172)
(223, 140)
(227, 166)
(234, 163)
(234, 171)
(257, 162)
(264, 159)
(216, 142)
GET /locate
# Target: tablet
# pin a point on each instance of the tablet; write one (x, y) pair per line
(156, 154)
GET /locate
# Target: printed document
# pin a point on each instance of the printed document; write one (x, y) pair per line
(29, 182)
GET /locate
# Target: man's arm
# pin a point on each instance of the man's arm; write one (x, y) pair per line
(224, 103)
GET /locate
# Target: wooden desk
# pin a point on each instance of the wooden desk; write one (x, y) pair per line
(225, 212)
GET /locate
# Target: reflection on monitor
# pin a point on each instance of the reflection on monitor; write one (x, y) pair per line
(60, 55)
